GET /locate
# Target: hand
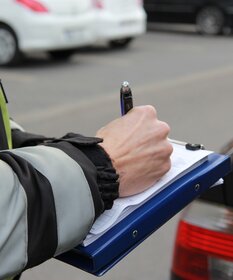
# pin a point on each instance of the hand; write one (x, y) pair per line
(138, 147)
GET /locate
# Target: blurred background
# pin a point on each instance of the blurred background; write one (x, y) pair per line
(62, 65)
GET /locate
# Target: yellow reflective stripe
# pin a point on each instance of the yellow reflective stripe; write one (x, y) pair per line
(6, 120)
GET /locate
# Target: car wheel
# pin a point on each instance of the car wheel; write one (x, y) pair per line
(120, 43)
(61, 54)
(210, 21)
(9, 50)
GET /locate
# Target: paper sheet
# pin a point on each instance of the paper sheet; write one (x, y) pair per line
(182, 160)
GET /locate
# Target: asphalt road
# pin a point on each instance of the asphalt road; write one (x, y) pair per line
(187, 77)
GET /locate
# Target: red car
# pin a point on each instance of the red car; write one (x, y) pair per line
(204, 242)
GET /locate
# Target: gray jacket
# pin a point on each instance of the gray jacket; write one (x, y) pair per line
(51, 191)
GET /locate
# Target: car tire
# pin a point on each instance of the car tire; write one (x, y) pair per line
(120, 43)
(61, 54)
(9, 49)
(210, 21)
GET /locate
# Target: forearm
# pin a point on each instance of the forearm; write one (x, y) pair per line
(51, 196)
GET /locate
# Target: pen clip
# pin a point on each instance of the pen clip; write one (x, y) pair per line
(126, 98)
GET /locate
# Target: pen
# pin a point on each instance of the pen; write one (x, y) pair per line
(126, 98)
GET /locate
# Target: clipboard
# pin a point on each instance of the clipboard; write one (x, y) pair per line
(105, 252)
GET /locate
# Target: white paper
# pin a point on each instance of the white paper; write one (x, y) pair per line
(182, 160)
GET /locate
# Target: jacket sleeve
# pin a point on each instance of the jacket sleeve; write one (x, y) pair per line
(51, 194)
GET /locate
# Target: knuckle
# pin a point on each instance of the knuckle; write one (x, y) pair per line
(146, 110)
(166, 166)
(150, 110)
(165, 128)
(169, 149)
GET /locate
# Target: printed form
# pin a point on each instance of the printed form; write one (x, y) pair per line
(182, 161)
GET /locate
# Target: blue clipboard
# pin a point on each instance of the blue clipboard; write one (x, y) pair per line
(101, 255)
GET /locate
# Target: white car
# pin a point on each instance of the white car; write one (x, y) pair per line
(54, 26)
(61, 26)
(119, 21)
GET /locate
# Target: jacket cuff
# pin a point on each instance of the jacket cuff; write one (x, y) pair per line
(107, 178)
(24, 139)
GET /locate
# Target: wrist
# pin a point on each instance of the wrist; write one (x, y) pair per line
(107, 178)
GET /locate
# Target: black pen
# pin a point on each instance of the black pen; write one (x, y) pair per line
(126, 98)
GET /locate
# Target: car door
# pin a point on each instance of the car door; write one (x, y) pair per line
(169, 10)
